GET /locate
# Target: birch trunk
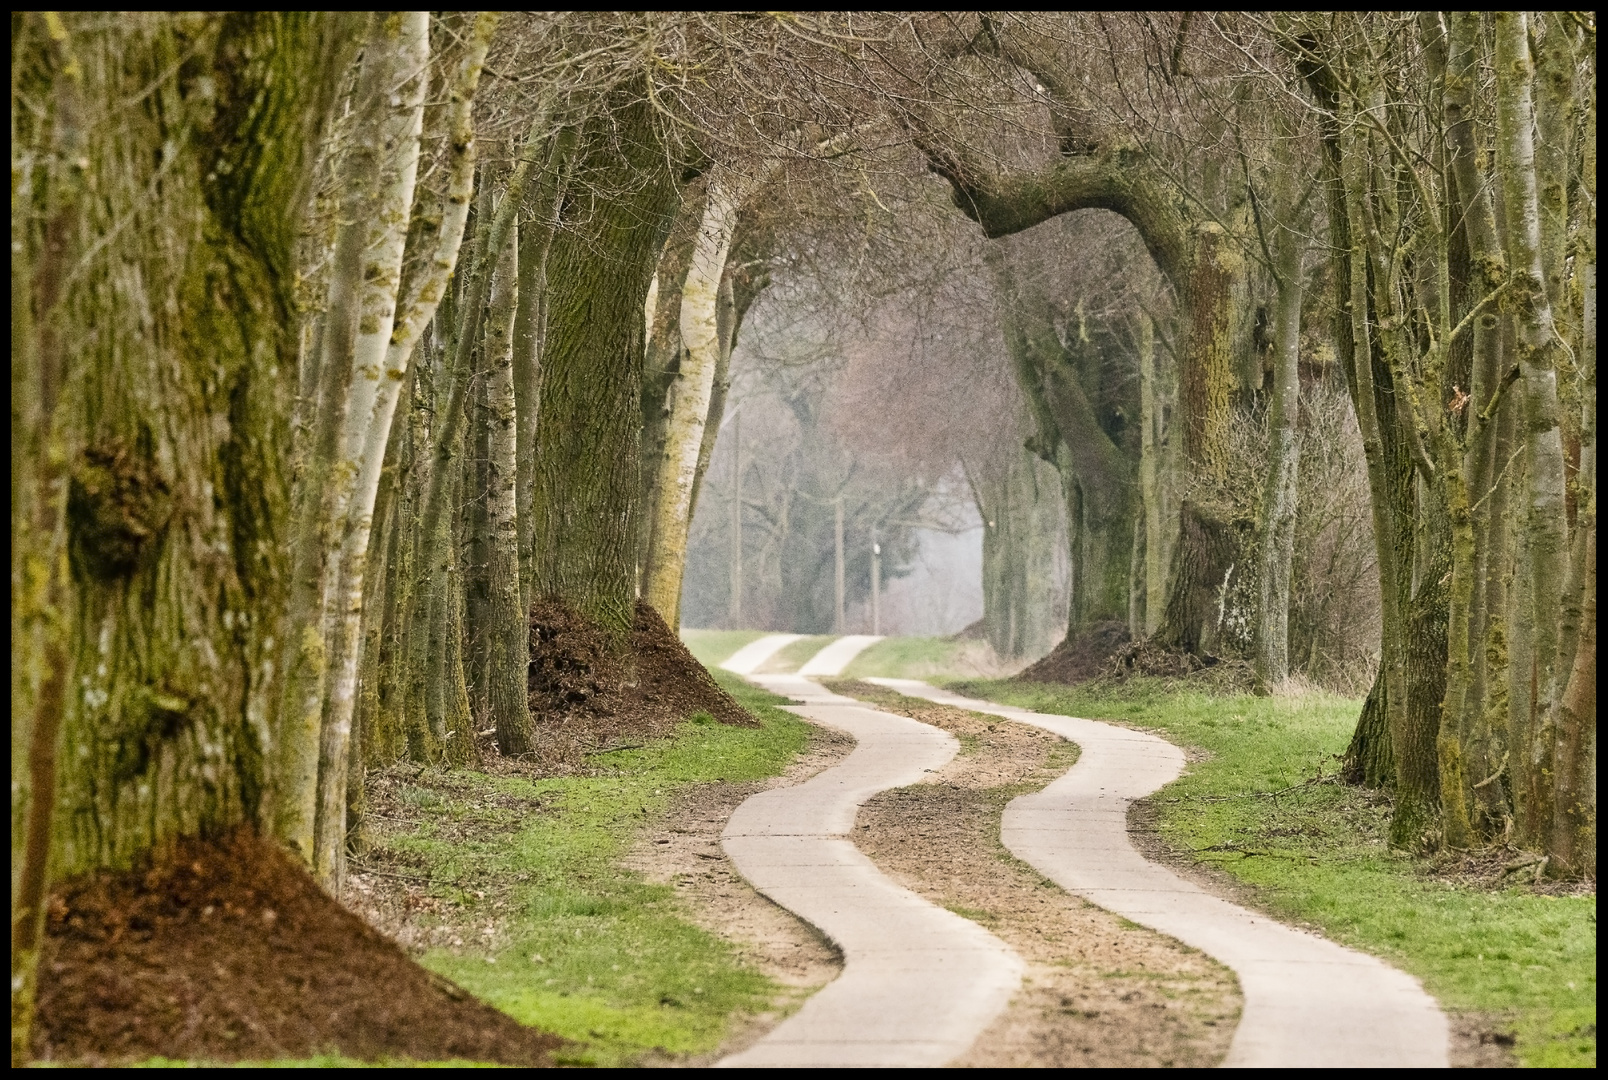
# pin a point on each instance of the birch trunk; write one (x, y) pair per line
(427, 649)
(1547, 564)
(1284, 461)
(403, 55)
(389, 329)
(296, 742)
(690, 395)
(1151, 495)
(500, 644)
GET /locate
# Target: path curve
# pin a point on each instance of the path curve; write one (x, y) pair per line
(1308, 1001)
(746, 660)
(919, 983)
(836, 656)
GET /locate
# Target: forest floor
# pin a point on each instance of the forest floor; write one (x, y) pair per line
(548, 896)
(1261, 817)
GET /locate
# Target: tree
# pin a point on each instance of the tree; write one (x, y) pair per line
(159, 363)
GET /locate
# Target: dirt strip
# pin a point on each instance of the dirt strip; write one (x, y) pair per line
(684, 851)
(1099, 991)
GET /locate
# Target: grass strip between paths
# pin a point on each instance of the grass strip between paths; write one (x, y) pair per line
(573, 943)
(1315, 853)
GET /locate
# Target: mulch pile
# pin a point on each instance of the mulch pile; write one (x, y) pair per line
(1106, 653)
(229, 951)
(1081, 658)
(585, 694)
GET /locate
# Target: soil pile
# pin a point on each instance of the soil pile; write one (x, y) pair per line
(1081, 658)
(229, 951)
(584, 694)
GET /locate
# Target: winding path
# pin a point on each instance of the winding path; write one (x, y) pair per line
(919, 983)
(1308, 1001)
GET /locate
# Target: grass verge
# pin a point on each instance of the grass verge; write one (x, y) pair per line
(1313, 850)
(904, 658)
(550, 929)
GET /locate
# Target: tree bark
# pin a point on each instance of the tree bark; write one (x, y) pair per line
(501, 643)
(153, 364)
(585, 499)
(1284, 461)
(691, 394)
(1158, 521)
(1547, 562)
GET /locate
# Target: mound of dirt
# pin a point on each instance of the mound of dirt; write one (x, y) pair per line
(583, 694)
(976, 631)
(1081, 658)
(229, 951)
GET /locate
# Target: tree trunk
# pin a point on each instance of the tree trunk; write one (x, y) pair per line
(1367, 759)
(663, 355)
(1152, 479)
(318, 501)
(366, 421)
(1284, 460)
(1486, 270)
(154, 380)
(1547, 564)
(536, 226)
(42, 442)
(1573, 846)
(584, 505)
(1199, 575)
(501, 642)
(690, 395)
(1412, 752)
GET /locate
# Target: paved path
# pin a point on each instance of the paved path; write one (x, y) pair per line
(1308, 1001)
(746, 660)
(919, 983)
(836, 656)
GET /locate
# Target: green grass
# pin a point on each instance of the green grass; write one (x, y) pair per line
(904, 658)
(1317, 854)
(713, 647)
(620, 970)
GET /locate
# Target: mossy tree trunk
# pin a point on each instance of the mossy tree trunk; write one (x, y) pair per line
(169, 352)
(1092, 449)
(1574, 834)
(586, 494)
(1411, 756)
(1546, 566)
(1017, 498)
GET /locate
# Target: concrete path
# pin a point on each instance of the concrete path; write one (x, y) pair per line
(746, 660)
(919, 983)
(1308, 1001)
(836, 656)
